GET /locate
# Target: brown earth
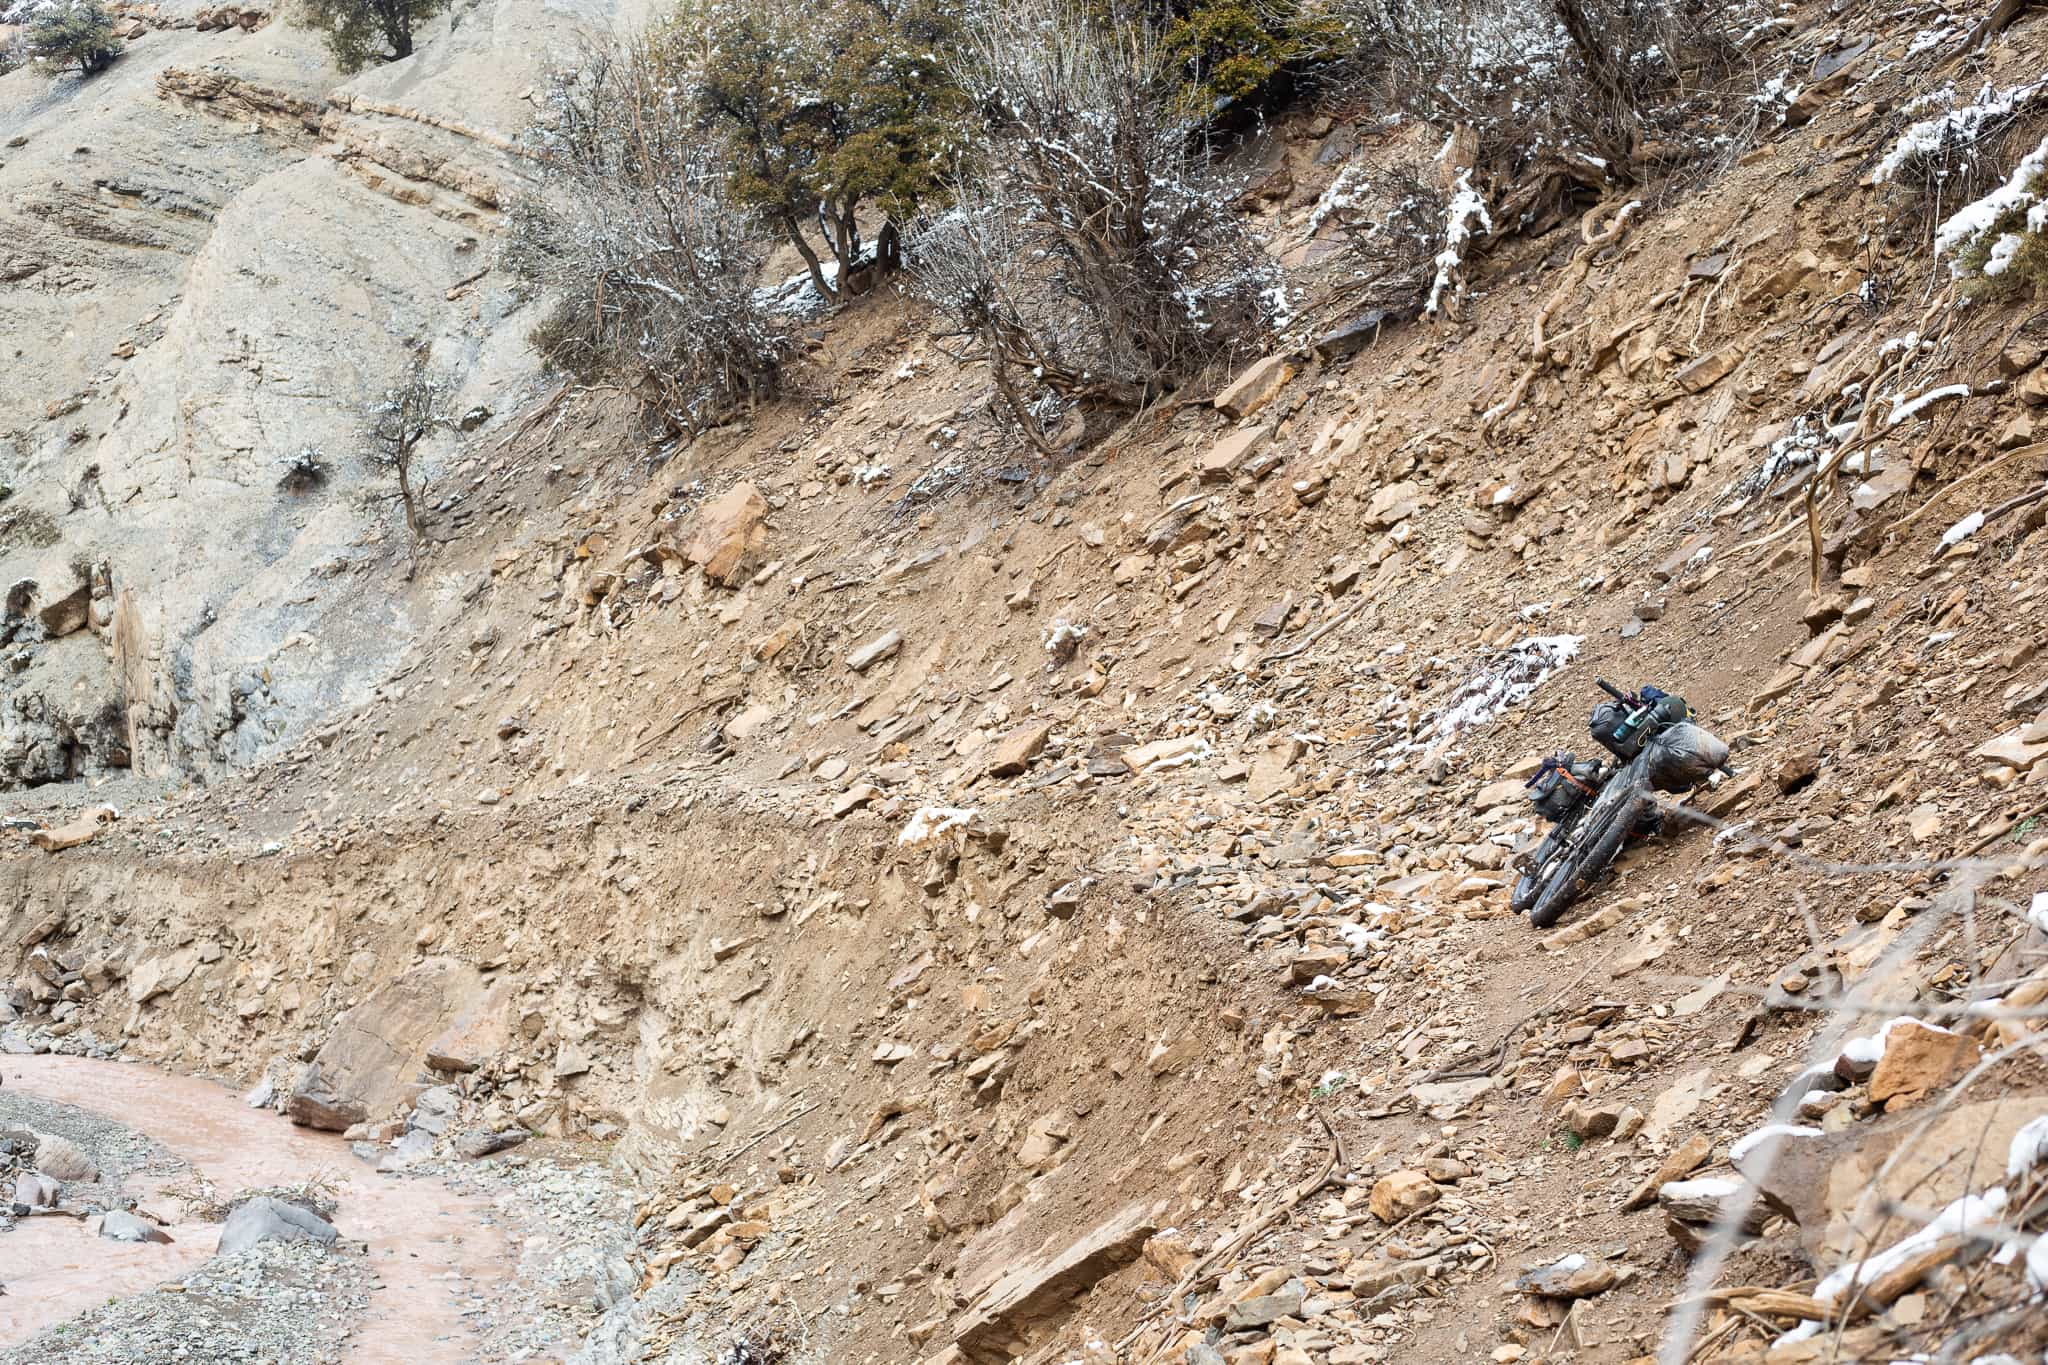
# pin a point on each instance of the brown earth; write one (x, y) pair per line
(636, 854)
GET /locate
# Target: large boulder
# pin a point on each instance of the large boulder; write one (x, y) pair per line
(368, 1063)
(34, 1191)
(314, 1103)
(477, 1143)
(161, 975)
(264, 1219)
(477, 1035)
(1020, 1295)
(1856, 1190)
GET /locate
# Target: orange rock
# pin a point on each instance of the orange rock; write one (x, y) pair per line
(728, 527)
(1918, 1059)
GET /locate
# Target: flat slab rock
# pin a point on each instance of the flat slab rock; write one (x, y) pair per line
(1574, 1277)
(121, 1226)
(1032, 1294)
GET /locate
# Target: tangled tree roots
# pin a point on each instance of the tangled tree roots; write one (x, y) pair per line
(1592, 241)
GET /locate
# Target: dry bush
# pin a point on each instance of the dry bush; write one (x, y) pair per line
(1947, 150)
(1600, 89)
(1999, 241)
(398, 424)
(1092, 252)
(1392, 218)
(636, 237)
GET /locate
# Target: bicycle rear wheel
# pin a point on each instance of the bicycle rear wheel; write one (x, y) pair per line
(1537, 870)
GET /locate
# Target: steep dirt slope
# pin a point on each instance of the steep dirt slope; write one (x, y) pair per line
(967, 987)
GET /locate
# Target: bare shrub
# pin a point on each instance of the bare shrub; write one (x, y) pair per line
(1948, 150)
(303, 472)
(636, 236)
(1600, 88)
(1393, 219)
(1998, 241)
(398, 425)
(1092, 252)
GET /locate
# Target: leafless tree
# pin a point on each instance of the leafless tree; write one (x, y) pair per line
(637, 238)
(1092, 252)
(398, 425)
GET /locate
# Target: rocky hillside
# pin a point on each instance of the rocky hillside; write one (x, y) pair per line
(1003, 907)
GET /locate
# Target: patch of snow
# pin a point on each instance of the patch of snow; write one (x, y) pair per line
(2029, 1148)
(1510, 680)
(932, 821)
(1965, 1215)
(1347, 191)
(1869, 1050)
(798, 295)
(1706, 1187)
(1467, 208)
(1197, 754)
(1749, 1142)
(2000, 258)
(1980, 216)
(1962, 530)
(1797, 447)
(2037, 911)
(868, 475)
(1360, 939)
(1957, 127)
(1063, 633)
(1909, 342)
(1913, 406)
(1927, 39)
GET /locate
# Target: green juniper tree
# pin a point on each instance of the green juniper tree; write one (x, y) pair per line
(63, 35)
(362, 32)
(829, 110)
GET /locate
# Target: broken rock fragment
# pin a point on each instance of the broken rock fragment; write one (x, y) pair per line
(1401, 1194)
(882, 647)
(1013, 753)
(728, 527)
(1029, 1299)
(1574, 1277)
(315, 1104)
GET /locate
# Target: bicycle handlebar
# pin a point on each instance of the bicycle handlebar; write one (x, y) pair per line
(1611, 690)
